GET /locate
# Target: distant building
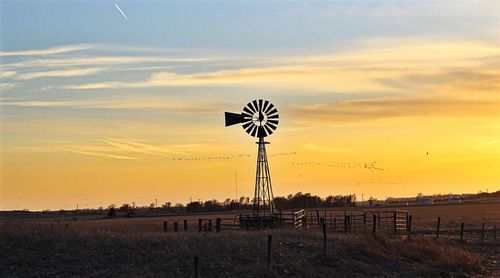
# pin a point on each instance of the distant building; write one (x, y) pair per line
(424, 201)
(454, 199)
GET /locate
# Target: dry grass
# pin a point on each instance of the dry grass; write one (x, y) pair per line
(137, 247)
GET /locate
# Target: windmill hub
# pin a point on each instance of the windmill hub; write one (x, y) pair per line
(259, 118)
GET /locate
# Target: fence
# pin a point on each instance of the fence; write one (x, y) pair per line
(388, 222)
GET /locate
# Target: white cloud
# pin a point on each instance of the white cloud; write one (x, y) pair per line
(7, 74)
(5, 86)
(60, 73)
(48, 51)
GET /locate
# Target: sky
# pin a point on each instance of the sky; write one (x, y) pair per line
(112, 102)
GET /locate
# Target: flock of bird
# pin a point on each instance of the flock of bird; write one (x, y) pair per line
(371, 166)
(225, 157)
(282, 154)
(368, 166)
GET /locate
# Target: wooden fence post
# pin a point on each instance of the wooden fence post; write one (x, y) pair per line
(210, 227)
(409, 223)
(438, 227)
(269, 244)
(218, 224)
(317, 216)
(345, 223)
(205, 227)
(335, 224)
(321, 221)
(462, 231)
(394, 221)
(176, 226)
(165, 226)
(352, 223)
(185, 225)
(324, 238)
(374, 225)
(196, 267)
(378, 219)
(199, 224)
(482, 232)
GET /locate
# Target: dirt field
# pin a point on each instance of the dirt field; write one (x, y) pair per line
(138, 247)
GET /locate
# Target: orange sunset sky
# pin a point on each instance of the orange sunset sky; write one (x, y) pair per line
(99, 107)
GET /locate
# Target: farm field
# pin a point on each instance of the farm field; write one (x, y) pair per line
(34, 247)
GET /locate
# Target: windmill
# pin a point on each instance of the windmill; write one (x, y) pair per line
(259, 118)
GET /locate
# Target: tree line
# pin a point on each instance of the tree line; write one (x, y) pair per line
(298, 201)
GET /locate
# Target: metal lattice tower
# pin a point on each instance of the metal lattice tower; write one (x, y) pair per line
(259, 119)
(263, 202)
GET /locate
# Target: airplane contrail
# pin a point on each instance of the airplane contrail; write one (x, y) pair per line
(120, 10)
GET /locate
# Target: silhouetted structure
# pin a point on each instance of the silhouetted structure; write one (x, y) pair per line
(259, 119)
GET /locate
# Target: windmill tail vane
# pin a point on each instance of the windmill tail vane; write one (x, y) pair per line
(259, 118)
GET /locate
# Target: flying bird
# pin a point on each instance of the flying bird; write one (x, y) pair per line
(121, 11)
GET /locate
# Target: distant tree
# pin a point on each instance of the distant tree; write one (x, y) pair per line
(111, 211)
(167, 205)
(152, 206)
(125, 208)
(194, 207)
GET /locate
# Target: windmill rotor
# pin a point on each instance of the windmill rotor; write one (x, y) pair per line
(259, 118)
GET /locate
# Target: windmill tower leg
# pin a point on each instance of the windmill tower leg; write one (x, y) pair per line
(263, 195)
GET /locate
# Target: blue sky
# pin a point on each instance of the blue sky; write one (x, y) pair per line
(238, 26)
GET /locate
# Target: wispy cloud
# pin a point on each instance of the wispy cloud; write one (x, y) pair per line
(106, 155)
(60, 73)
(48, 51)
(92, 60)
(358, 110)
(5, 86)
(134, 103)
(138, 147)
(369, 69)
(7, 74)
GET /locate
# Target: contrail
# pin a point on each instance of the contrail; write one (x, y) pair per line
(120, 10)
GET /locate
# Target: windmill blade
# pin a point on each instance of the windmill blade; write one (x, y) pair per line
(261, 107)
(233, 118)
(269, 131)
(248, 109)
(266, 104)
(273, 117)
(247, 124)
(275, 122)
(273, 111)
(246, 115)
(273, 126)
(254, 131)
(271, 106)
(256, 105)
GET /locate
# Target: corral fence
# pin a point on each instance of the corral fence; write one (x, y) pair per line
(387, 222)
(347, 221)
